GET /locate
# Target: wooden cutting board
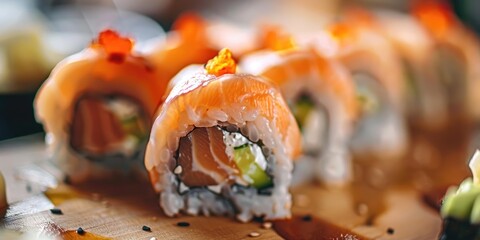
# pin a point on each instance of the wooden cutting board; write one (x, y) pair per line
(119, 209)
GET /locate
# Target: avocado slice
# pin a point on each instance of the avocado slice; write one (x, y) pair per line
(251, 171)
(302, 108)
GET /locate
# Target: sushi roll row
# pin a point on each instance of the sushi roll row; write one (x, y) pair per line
(217, 138)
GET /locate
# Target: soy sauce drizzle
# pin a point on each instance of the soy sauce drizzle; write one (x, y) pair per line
(309, 227)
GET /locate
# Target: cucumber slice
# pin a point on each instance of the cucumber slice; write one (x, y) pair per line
(460, 204)
(132, 126)
(475, 214)
(251, 171)
(302, 109)
(368, 102)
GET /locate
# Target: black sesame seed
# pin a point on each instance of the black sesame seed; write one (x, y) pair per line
(390, 231)
(56, 211)
(183, 224)
(80, 231)
(307, 218)
(146, 229)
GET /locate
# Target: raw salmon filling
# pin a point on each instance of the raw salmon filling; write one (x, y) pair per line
(213, 157)
(312, 118)
(108, 126)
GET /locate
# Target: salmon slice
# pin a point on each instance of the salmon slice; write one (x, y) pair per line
(95, 129)
(185, 159)
(203, 158)
(217, 146)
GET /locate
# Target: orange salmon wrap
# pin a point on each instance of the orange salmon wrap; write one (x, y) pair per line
(454, 59)
(223, 143)
(321, 95)
(97, 108)
(187, 43)
(380, 88)
(440, 57)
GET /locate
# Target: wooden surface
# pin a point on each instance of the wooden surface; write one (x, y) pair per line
(120, 209)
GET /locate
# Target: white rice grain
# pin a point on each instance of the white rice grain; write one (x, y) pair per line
(236, 114)
(164, 155)
(172, 143)
(217, 114)
(253, 133)
(192, 115)
(250, 115)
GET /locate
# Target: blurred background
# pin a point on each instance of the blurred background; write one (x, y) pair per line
(35, 35)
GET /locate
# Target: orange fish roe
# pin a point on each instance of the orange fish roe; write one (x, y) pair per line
(276, 40)
(113, 43)
(341, 32)
(437, 17)
(189, 25)
(223, 63)
(360, 16)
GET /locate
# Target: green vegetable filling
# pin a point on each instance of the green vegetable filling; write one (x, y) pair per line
(367, 101)
(251, 171)
(463, 203)
(302, 109)
(133, 126)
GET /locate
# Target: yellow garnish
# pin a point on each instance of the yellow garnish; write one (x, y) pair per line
(223, 63)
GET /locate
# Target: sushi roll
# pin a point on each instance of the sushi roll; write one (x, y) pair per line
(187, 43)
(439, 57)
(376, 72)
(97, 108)
(223, 144)
(425, 104)
(454, 59)
(321, 96)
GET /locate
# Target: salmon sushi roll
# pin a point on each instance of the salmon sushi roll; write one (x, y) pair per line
(223, 144)
(187, 43)
(439, 57)
(424, 102)
(377, 74)
(455, 57)
(321, 95)
(97, 108)
(195, 40)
